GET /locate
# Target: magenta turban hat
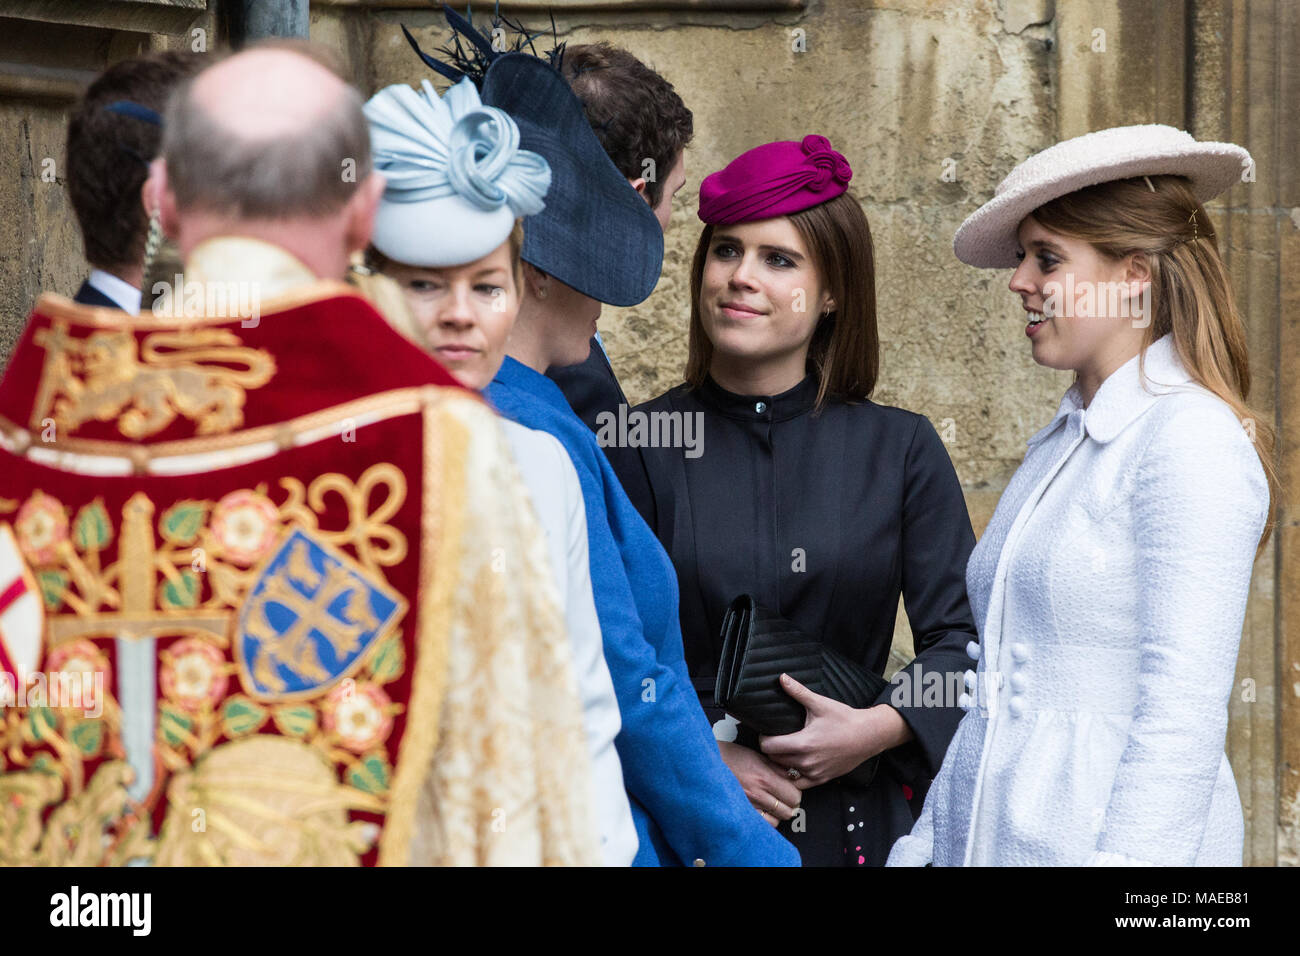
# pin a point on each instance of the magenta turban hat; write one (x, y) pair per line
(774, 179)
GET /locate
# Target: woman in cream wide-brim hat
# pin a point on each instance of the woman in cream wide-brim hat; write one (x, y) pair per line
(1110, 585)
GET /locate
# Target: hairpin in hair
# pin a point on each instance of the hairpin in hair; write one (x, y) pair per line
(135, 111)
(1149, 186)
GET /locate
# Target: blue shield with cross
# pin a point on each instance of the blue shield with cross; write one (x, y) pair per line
(309, 619)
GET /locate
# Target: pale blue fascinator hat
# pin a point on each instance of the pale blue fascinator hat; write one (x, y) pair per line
(456, 177)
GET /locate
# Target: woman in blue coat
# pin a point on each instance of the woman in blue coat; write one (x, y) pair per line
(598, 241)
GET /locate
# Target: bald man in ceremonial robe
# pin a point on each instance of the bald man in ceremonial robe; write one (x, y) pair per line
(272, 590)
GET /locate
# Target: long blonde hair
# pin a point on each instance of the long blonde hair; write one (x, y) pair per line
(1191, 294)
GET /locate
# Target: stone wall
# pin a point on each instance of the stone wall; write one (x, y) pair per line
(933, 103)
(50, 50)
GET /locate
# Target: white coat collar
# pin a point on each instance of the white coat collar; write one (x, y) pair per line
(1124, 395)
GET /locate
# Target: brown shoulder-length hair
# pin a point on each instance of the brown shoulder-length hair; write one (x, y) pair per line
(845, 350)
(1191, 294)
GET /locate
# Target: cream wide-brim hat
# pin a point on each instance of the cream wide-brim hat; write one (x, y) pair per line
(988, 237)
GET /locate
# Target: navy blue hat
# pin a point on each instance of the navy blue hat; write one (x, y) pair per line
(596, 234)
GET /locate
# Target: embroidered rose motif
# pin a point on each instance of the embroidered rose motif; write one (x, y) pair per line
(41, 526)
(827, 163)
(194, 674)
(78, 669)
(245, 524)
(360, 715)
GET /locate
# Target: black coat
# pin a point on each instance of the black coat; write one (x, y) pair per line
(825, 518)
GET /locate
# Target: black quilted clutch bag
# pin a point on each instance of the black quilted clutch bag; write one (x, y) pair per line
(759, 646)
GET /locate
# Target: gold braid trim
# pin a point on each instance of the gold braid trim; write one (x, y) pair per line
(382, 405)
(56, 306)
(442, 514)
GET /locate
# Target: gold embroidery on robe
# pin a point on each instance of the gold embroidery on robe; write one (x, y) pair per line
(338, 600)
(153, 589)
(263, 801)
(201, 374)
(494, 742)
(81, 826)
(492, 766)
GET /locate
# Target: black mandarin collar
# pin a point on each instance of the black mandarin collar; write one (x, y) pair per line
(761, 408)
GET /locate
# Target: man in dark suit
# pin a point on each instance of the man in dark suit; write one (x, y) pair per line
(645, 128)
(113, 134)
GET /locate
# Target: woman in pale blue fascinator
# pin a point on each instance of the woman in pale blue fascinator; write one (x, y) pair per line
(448, 232)
(448, 228)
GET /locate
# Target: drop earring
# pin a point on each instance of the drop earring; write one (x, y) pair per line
(153, 242)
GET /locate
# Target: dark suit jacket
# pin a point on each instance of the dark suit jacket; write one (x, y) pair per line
(590, 388)
(89, 295)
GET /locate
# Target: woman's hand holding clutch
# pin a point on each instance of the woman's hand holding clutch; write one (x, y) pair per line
(767, 786)
(835, 738)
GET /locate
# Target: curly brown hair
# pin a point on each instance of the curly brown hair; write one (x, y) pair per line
(635, 112)
(108, 153)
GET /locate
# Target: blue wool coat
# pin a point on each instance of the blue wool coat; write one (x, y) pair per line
(688, 807)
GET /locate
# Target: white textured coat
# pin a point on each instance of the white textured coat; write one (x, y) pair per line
(1109, 589)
